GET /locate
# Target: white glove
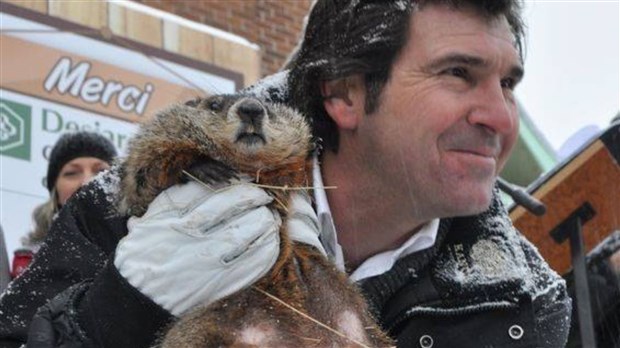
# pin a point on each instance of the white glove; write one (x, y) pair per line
(194, 246)
(303, 224)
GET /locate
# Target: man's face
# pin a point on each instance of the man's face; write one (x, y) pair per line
(447, 118)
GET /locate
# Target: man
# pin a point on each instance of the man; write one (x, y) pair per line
(414, 104)
(418, 116)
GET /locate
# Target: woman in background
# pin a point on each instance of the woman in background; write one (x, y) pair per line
(75, 159)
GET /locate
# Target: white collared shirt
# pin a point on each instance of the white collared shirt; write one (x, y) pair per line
(376, 264)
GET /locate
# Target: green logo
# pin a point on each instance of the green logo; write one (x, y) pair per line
(15, 120)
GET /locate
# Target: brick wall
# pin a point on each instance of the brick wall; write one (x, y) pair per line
(274, 25)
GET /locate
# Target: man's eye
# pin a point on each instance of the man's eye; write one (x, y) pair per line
(70, 173)
(509, 83)
(457, 72)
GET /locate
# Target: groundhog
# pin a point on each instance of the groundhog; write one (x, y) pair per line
(221, 137)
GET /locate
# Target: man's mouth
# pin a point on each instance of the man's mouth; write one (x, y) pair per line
(482, 151)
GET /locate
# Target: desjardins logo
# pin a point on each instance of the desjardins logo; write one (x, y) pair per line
(15, 121)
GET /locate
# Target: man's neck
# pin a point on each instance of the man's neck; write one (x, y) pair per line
(369, 217)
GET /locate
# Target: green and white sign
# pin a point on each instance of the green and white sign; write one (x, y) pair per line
(15, 135)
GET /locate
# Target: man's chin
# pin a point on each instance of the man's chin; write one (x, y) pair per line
(473, 203)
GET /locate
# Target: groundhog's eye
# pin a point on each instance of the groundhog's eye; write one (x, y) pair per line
(214, 104)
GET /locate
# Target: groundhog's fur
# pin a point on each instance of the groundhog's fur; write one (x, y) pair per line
(210, 137)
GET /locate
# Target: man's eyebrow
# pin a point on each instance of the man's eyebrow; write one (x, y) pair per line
(516, 71)
(455, 58)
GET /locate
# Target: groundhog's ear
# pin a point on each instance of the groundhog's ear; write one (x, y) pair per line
(343, 100)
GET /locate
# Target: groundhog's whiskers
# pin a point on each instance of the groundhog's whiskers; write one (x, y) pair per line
(309, 317)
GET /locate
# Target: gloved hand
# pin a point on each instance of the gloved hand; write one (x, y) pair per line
(195, 246)
(303, 224)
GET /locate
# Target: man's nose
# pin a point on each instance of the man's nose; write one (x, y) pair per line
(494, 110)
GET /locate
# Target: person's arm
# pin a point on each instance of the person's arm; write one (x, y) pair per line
(105, 312)
(72, 268)
(171, 261)
(67, 257)
(191, 248)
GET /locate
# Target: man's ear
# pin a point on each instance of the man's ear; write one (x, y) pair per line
(343, 100)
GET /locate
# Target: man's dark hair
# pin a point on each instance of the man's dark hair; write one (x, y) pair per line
(348, 37)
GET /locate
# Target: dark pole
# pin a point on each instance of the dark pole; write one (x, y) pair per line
(582, 289)
(571, 229)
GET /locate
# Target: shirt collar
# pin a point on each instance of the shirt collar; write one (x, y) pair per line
(326, 222)
(384, 261)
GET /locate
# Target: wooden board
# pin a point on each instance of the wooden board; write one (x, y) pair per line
(135, 25)
(593, 176)
(37, 5)
(93, 14)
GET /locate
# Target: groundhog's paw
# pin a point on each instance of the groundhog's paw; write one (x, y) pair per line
(210, 171)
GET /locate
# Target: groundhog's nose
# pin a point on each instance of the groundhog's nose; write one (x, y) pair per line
(250, 111)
